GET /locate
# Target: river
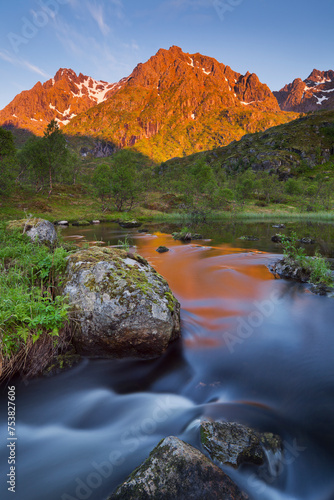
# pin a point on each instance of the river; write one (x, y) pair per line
(254, 350)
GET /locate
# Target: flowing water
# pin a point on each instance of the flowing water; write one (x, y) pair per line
(254, 350)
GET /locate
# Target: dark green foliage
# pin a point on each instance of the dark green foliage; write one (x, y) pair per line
(47, 159)
(8, 173)
(328, 131)
(30, 275)
(102, 182)
(55, 149)
(122, 181)
(126, 184)
(7, 147)
(317, 267)
(7, 161)
(293, 186)
(245, 185)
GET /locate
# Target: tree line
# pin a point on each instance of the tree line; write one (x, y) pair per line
(127, 178)
(121, 182)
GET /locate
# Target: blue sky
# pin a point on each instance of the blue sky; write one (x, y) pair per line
(105, 39)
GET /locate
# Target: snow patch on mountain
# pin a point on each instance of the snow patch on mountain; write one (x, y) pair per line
(321, 99)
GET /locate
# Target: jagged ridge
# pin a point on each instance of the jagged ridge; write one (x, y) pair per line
(62, 97)
(316, 93)
(174, 104)
(178, 103)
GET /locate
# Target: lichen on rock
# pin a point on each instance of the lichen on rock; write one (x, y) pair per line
(39, 230)
(176, 470)
(232, 444)
(121, 305)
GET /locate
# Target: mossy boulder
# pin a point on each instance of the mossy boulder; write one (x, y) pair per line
(39, 230)
(162, 249)
(249, 238)
(307, 240)
(187, 236)
(130, 223)
(121, 305)
(81, 223)
(176, 470)
(232, 444)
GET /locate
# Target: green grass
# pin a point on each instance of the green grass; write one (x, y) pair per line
(317, 267)
(30, 278)
(285, 216)
(78, 203)
(268, 215)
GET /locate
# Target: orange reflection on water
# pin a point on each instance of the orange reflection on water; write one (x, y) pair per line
(196, 342)
(214, 284)
(197, 273)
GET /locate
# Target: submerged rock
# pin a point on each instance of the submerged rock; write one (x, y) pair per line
(249, 238)
(130, 223)
(177, 471)
(121, 305)
(81, 223)
(187, 236)
(233, 444)
(39, 230)
(277, 238)
(162, 249)
(307, 240)
(285, 268)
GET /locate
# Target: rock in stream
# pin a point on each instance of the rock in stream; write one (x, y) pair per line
(177, 471)
(121, 305)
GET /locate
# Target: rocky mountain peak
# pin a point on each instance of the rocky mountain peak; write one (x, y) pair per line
(62, 98)
(319, 77)
(196, 72)
(66, 73)
(314, 93)
(173, 92)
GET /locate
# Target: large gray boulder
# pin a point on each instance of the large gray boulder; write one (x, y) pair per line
(177, 471)
(39, 230)
(121, 305)
(232, 444)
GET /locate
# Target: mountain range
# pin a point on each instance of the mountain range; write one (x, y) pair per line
(62, 97)
(313, 94)
(175, 104)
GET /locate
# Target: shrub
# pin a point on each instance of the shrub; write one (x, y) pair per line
(316, 267)
(30, 309)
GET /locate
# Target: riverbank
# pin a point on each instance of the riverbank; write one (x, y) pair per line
(77, 203)
(33, 314)
(254, 350)
(99, 302)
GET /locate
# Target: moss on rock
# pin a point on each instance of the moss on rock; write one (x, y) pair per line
(232, 444)
(39, 230)
(121, 304)
(176, 470)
